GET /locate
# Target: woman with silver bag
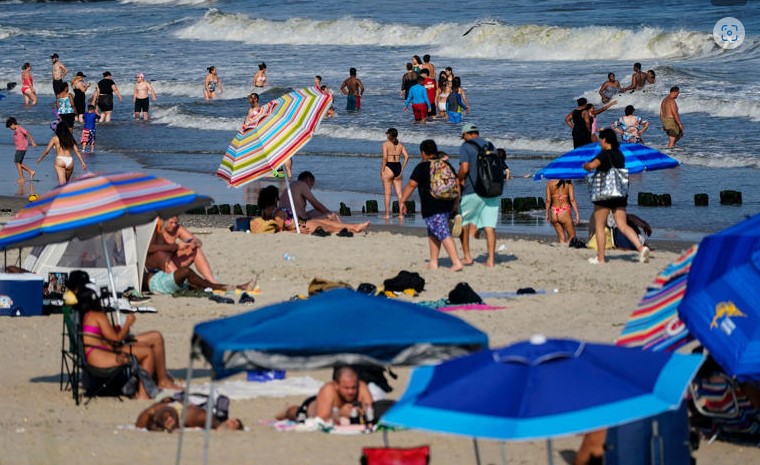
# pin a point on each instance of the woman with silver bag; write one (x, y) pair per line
(609, 192)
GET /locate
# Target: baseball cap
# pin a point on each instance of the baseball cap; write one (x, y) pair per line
(469, 127)
(55, 55)
(79, 73)
(106, 73)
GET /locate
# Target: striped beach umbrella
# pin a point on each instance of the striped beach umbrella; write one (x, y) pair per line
(284, 125)
(94, 204)
(655, 324)
(638, 158)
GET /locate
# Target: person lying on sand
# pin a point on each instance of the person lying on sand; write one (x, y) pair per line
(335, 399)
(165, 416)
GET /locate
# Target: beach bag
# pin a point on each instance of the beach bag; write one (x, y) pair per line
(609, 242)
(405, 280)
(463, 294)
(443, 181)
(612, 184)
(489, 171)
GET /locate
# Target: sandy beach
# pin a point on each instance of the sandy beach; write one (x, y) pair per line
(42, 425)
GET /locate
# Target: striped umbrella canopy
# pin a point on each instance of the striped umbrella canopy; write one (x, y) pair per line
(283, 126)
(93, 204)
(655, 324)
(638, 158)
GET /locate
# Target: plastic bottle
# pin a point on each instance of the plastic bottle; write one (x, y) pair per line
(354, 416)
(369, 417)
(287, 257)
(335, 415)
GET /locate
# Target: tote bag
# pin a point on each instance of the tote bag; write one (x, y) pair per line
(612, 184)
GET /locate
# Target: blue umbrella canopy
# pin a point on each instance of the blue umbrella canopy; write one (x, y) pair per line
(543, 389)
(721, 307)
(338, 326)
(638, 158)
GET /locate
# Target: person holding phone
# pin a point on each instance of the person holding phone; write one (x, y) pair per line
(173, 246)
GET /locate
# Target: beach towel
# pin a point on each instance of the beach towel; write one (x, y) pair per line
(319, 285)
(301, 386)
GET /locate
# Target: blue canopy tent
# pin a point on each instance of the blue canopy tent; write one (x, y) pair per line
(337, 326)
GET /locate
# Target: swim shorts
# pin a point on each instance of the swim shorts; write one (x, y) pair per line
(454, 116)
(670, 127)
(438, 226)
(88, 137)
(57, 86)
(420, 111)
(163, 283)
(483, 212)
(105, 103)
(19, 157)
(142, 104)
(68, 119)
(353, 103)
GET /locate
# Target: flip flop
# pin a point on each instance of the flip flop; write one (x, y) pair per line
(345, 233)
(320, 232)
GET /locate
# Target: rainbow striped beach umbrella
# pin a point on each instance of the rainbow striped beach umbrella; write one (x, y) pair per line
(655, 324)
(94, 204)
(283, 127)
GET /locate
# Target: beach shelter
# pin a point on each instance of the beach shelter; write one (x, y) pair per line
(127, 247)
(721, 307)
(334, 327)
(638, 158)
(281, 128)
(94, 205)
(542, 389)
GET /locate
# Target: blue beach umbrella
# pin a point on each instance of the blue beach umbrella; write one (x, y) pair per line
(543, 389)
(638, 158)
(721, 307)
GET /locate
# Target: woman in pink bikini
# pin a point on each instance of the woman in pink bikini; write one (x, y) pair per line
(27, 85)
(560, 198)
(103, 343)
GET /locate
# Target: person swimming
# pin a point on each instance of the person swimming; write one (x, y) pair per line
(610, 88)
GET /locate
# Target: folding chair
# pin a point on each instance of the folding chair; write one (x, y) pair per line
(395, 456)
(95, 381)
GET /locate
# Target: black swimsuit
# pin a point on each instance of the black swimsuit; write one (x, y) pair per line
(395, 166)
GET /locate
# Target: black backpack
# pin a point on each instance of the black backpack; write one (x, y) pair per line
(489, 171)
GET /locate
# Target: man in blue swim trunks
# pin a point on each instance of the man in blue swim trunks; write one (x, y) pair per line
(477, 212)
(161, 282)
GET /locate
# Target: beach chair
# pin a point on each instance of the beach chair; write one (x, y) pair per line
(395, 456)
(83, 379)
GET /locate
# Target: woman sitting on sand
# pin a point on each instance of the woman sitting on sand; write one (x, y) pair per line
(275, 219)
(104, 344)
(560, 198)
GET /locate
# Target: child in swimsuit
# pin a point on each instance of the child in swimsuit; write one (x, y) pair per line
(560, 198)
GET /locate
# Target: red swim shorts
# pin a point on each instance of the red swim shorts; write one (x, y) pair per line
(420, 111)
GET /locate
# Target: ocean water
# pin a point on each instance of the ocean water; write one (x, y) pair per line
(523, 64)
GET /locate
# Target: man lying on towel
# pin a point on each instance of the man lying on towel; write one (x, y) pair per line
(165, 416)
(335, 399)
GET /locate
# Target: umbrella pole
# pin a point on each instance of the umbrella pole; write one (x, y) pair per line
(185, 400)
(549, 452)
(477, 450)
(503, 453)
(386, 443)
(209, 414)
(292, 204)
(110, 275)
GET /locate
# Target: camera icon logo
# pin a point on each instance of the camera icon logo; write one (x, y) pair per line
(728, 32)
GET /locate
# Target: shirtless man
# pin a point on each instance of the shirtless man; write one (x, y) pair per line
(343, 393)
(301, 190)
(140, 96)
(671, 121)
(165, 416)
(354, 89)
(173, 246)
(428, 66)
(59, 72)
(638, 79)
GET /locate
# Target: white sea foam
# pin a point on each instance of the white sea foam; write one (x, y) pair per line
(195, 89)
(168, 2)
(173, 116)
(7, 31)
(509, 143)
(489, 40)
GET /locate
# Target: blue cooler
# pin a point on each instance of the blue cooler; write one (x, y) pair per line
(20, 294)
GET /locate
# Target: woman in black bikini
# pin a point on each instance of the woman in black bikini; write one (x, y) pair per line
(391, 168)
